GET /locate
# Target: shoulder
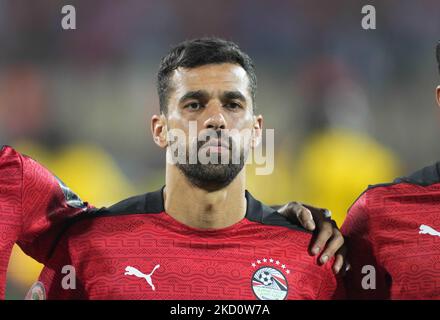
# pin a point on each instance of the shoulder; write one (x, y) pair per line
(5, 150)
(15, 164)
(415, 183)
(147, 203)
(9, 158)
(100, 224)
(9, 154)
(266, 216)
(424, 177)
(151, 202)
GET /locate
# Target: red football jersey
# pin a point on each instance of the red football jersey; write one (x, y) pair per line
(135, 250)
(33, 203)
(395, 228)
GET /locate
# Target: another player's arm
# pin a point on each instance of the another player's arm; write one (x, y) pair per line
(10, 208)
(42, 202)
(59, 279)
(329, 240)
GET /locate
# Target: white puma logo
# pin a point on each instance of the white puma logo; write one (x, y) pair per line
(424, 229)
(131, 271)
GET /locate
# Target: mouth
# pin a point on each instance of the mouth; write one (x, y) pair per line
(216, 146)
(216, 143)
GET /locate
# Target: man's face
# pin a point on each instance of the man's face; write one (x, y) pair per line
(215, 98)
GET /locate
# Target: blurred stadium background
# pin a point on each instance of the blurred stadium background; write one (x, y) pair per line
(350, 107)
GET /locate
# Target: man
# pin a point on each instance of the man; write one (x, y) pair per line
(35, 205)
(202, 236)
(393, 232)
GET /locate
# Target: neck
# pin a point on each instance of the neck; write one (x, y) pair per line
(201, 209)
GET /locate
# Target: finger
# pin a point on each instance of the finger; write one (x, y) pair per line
(306, 219)
(335, 243)
(318, 212)
(325, 231)
(327, 213)
(291, 211)
(338, 264)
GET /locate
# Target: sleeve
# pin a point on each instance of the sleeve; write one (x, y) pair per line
(58, 279)
(10, 208)
(362, 255)
(40, 203)
(47, 204)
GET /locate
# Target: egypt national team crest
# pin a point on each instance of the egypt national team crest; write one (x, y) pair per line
(72, 199)
(268, 282)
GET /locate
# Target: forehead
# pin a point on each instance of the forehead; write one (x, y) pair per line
(211, 77)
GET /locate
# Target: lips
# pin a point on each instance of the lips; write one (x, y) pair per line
(216, 143)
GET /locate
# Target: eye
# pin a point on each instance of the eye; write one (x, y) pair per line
(233, 106)
(193, 106)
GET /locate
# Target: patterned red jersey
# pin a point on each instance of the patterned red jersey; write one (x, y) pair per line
(135, 250)
(33, 204)
(395, 228)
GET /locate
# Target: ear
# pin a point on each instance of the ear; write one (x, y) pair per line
(159, 130)
(257, 131)
(437, 95)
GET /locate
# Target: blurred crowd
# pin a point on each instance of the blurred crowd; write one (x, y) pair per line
(350, 107)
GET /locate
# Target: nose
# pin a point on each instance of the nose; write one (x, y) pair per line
(215, 118)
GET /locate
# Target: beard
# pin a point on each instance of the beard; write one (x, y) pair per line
(212, 176)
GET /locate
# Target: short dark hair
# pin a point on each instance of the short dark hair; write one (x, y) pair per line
(437, 54)
(198, 52)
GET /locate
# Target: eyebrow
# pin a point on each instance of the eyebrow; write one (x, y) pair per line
(233, 95)
(196, 95)
(204, 95)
